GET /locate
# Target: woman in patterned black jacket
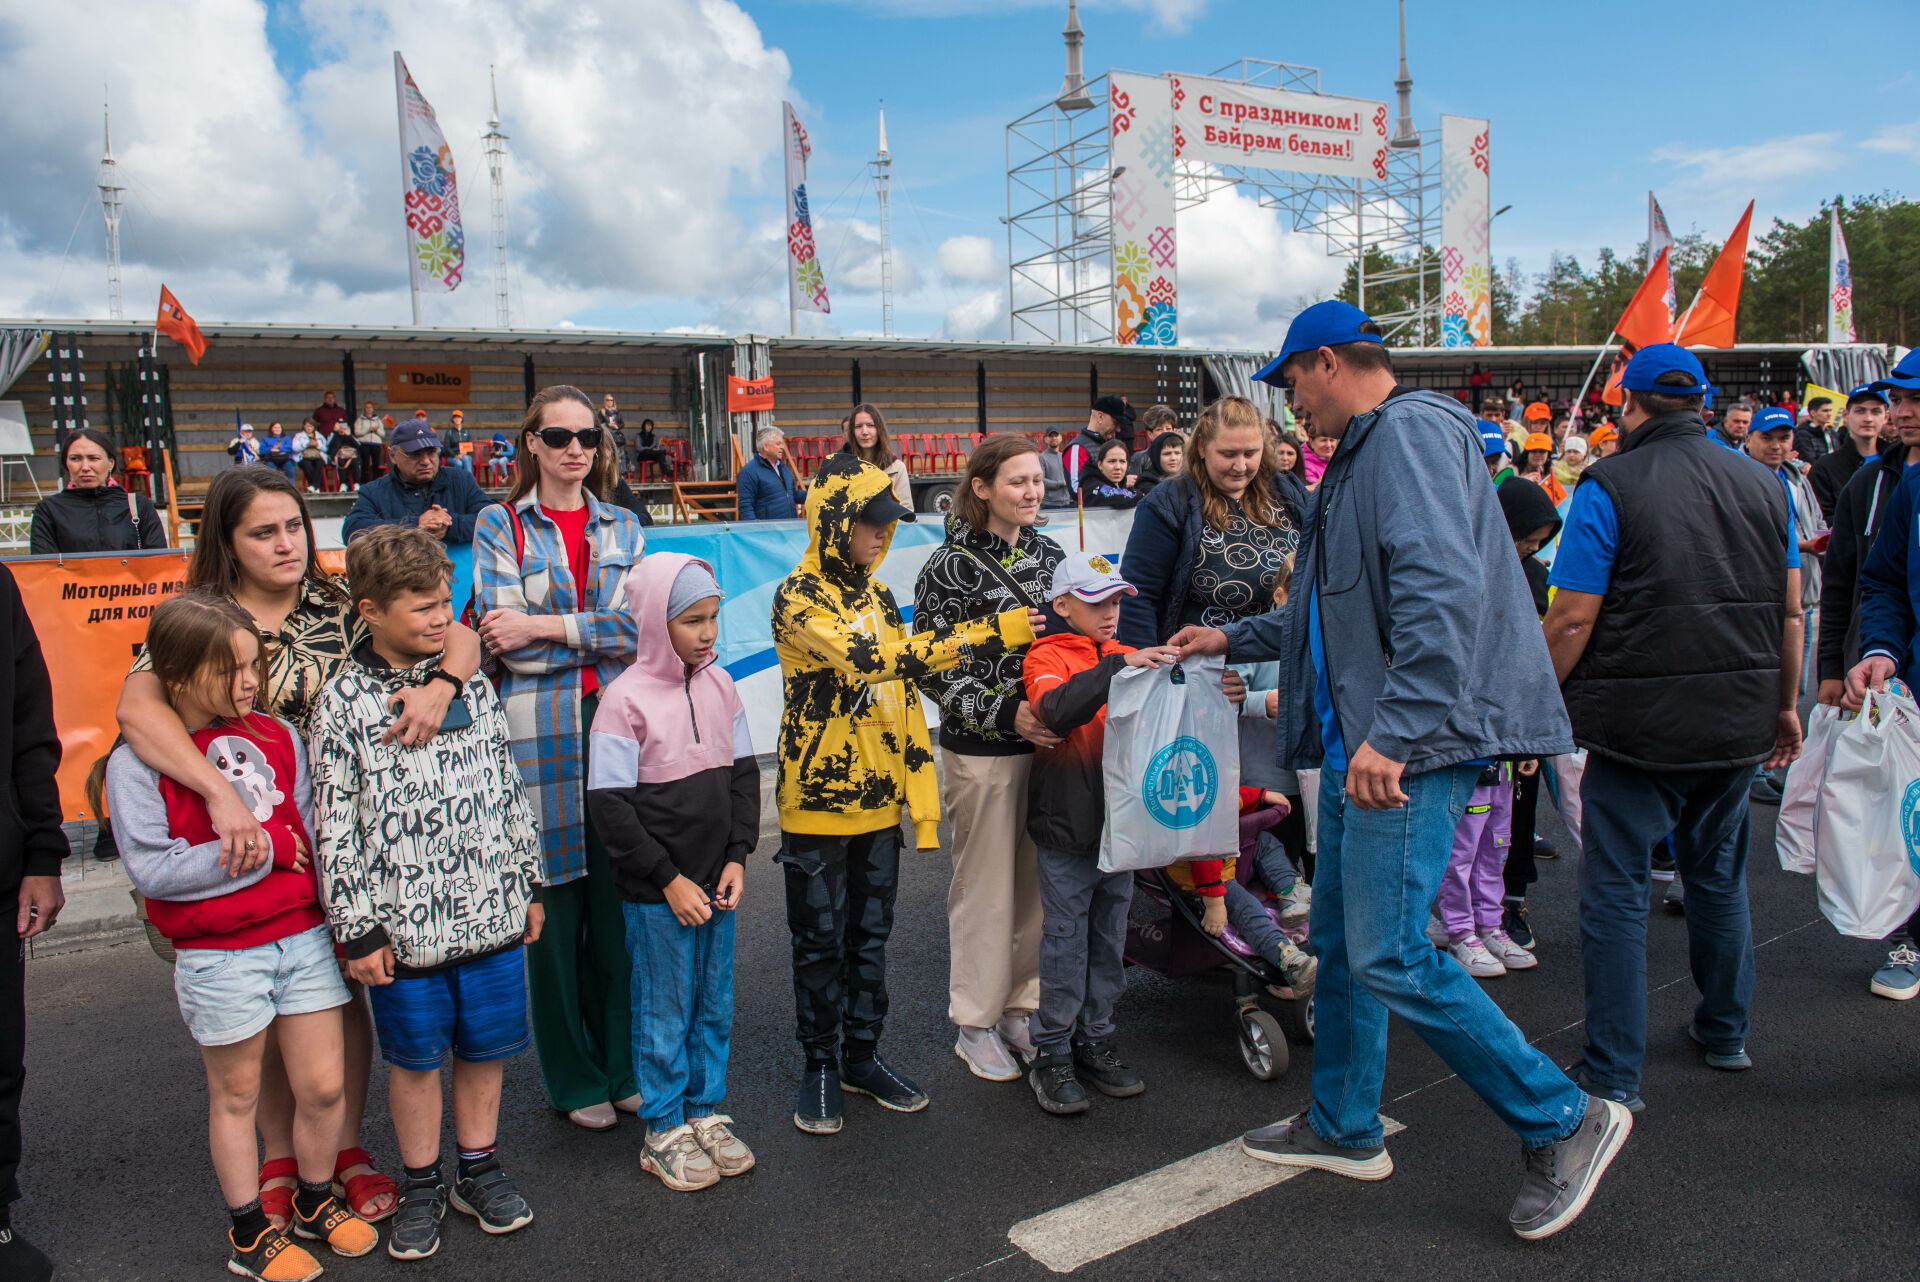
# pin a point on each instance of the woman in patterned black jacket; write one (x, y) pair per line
(992, 561)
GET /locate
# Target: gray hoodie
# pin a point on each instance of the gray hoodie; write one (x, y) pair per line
(1434, 653)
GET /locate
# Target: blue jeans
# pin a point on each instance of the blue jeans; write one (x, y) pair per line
(682, 1012)
(1376, 877)
(1624, 811)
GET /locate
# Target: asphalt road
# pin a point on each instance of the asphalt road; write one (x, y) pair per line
(1803, 1167)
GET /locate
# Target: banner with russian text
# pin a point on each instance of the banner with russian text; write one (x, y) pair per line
(90, 614)
(436, 242)
(1466, 252)
(1839, 286)
(806, 282)
(1145, 297)
(1225, 122)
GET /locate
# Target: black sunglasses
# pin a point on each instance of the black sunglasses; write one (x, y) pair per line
(557, 438)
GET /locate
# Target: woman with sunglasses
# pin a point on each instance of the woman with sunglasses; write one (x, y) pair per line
(549, 564)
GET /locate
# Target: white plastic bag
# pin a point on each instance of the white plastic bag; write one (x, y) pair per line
(1866, 857)
(1793, 838)
(1568, 770)
(1172, 767)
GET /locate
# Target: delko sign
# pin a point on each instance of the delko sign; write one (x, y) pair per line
(429, 384)
(1225, 122)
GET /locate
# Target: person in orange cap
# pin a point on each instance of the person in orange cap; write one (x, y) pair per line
(1536, 453)
(1604, 441)
(1538, 412)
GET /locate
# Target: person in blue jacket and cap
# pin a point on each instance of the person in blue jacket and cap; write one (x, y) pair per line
(1410, 657)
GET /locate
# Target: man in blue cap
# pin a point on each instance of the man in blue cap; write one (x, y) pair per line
(418, 491)
(1677, 589)
(1862, 509)
(1493, 444)
(1864, 420)
(1409, 659)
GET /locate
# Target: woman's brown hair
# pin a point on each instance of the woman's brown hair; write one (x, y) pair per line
(1259, 504)
(526, 468)
(881, 455)
(984, 465)
(214, 567)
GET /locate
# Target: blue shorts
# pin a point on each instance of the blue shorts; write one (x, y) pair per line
(478, 1010)
(227, 995)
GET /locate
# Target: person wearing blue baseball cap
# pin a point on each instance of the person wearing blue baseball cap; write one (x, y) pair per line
(1863, 423)
(1410, 657)
(1770, 444)
(1493, 445)
(1676, 631)
(416, 490)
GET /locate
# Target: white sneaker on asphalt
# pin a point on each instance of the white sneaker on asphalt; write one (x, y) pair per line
(986, 1055)
(1438, 934)
(1015, 1035)
(1471, 952)
(1509, 954)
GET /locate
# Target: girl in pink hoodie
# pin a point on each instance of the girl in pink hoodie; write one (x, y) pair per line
(674, 792)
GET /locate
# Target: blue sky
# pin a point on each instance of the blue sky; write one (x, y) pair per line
(256, 141)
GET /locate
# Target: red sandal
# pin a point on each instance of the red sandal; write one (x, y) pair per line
(361, 1191)
(278, 1203)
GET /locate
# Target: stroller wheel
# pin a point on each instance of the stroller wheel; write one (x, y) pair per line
(1263, 1047)
(1303, 1015)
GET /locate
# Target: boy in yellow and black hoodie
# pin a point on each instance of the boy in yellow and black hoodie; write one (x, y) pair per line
(854, 750)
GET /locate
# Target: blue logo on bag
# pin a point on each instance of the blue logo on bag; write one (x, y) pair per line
(1910, 824)
(1181, 784)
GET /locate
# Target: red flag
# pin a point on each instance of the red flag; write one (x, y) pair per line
(1645, 321)
(1709, 322)
(1612, 394)
(177, 325)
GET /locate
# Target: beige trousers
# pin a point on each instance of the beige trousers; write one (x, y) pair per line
(993, 906)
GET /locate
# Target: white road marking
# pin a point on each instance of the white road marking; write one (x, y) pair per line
(1116, 1218)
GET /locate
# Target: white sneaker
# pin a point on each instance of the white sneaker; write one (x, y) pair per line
(986, 1055)
(1296, 904)
(1015, 1035)
(1438, 934)
(1507, 953)
(1471, 952)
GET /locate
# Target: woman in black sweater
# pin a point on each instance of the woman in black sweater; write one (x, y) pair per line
(89, 514)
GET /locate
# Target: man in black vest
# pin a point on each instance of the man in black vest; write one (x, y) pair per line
(1675, 630)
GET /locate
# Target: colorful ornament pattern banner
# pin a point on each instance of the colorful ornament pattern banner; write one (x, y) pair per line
(1466, 251)
(806, 282)
(1145, 243)
(1839, 286)
(436, 242)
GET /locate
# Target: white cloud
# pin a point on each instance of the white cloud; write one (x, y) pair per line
(982, 316)
(1243, 275)
(1897, 140)
(1719, 169)
(969, 260)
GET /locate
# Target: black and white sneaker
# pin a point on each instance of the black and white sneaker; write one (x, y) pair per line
(490, 1197)
(888, 1088)
(1561, 1177)
(415, 1232)
(1294, 1142)
(817, 1111)
(1099, 1061)
(1055, 1086)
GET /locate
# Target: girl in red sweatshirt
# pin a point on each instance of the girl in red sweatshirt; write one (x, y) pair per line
(254, 952)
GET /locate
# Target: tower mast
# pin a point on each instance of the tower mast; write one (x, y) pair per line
(882, 177)
(110, 190)
(495, 141)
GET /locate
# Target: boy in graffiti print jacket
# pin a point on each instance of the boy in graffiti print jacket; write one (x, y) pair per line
(430, 866)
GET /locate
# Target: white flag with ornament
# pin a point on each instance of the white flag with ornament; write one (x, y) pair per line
(436, 242)
(1839, 286)
(806, 283)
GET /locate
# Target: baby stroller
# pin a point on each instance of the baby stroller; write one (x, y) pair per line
(1175, 946)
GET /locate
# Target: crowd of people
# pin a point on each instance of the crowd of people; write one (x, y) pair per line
(358, 822)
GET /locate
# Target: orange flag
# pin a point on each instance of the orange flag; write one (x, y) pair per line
(177, 325)
(1709, 322)
(1645, 321)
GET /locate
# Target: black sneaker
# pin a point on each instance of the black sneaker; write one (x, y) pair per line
(1763, 791)
(1294, 1142)
(415, 1233)
(1513, 920)
(1633, 1103)
(817, 1111)
(1561, 1177)
(489, 1196)
(888, 1088)
(1055, 1086)
(1102, 1063)
(1544, 849)
(1663, 858)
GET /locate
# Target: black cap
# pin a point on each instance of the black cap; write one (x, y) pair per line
(884, 509)
(1115, 408)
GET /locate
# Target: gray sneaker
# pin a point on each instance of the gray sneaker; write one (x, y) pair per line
(1294, 1142)
(1733, 1061)
(1561, 1177)
(677, 1158)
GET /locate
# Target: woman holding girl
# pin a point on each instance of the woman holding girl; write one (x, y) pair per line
(992, 561)
(549, 566)
(255, 549)
(93, 513)
(868, 440)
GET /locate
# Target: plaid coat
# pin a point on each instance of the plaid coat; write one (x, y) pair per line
(540, 683)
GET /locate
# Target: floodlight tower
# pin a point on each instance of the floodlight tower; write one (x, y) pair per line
(882, 176)
(110, 190)
(495, 142)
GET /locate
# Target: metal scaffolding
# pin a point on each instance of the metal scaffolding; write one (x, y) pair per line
(1060, 213)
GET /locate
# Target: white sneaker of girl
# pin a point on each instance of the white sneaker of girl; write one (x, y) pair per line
(1507, 953)
(1471, 952)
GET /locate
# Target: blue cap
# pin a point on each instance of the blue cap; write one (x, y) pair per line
(1327, 324)
(414, 437)
(1655, 359)
(1491, 437)
(1906, 375)
(1867, 391)
(1771, 419)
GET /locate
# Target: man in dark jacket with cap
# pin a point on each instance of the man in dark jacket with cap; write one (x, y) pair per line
(418, 490)
(1677, 586)
(1410, 658)
(31, 848)
(1866, 418)
(1110, 417)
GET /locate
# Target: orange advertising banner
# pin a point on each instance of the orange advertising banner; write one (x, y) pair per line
(429, 384)
(749, 395)
(90, 613)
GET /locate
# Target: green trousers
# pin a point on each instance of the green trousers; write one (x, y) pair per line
(581, 980)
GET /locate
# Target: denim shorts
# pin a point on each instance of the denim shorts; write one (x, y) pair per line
(477, 1009)
(229, 994)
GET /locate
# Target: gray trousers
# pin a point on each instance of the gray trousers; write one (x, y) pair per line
(1081, 941)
